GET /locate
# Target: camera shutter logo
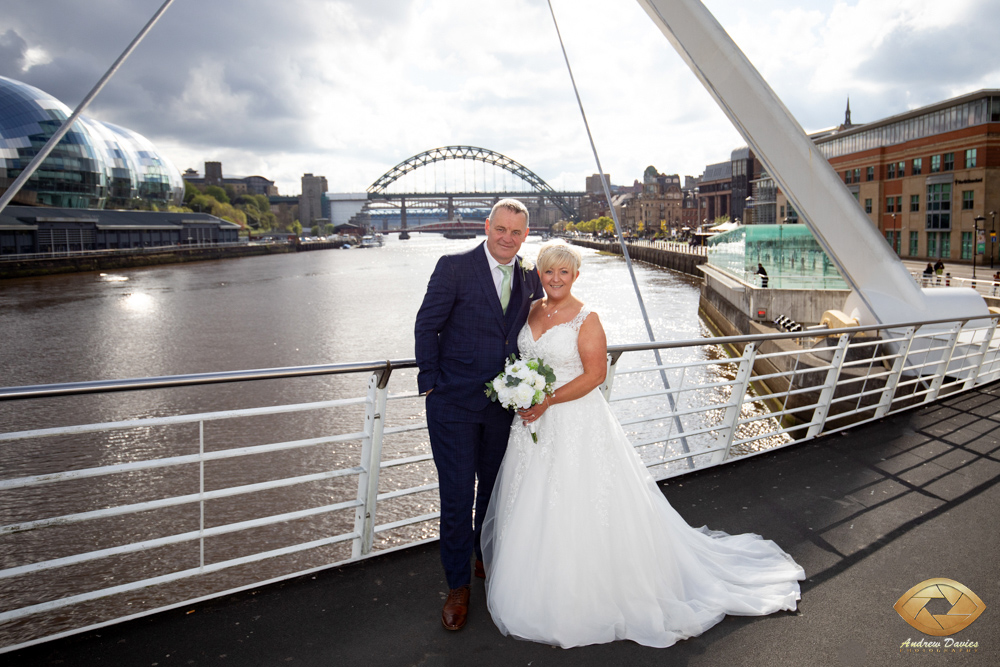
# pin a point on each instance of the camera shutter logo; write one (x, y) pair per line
(965, 607)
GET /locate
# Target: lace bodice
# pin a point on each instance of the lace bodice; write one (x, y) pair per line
(557, 347)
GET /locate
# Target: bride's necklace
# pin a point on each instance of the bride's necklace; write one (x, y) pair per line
(552, 313)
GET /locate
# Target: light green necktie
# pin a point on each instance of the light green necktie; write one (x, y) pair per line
(505, 286)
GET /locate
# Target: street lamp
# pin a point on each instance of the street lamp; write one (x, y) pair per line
(993, 234)
(895, 235)
(975, 241)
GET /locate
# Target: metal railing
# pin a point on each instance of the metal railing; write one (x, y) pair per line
(672, 246)
(106, 521)
(985, 286)
(107, 252)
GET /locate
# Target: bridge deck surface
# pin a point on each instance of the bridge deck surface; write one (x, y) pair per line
(869, 513)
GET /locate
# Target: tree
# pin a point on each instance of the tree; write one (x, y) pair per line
(315, 230)
(328, 228)
(217, 193)
(202, 203)
(190, 192)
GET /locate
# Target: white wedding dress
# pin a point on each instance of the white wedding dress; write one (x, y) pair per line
(581, 547)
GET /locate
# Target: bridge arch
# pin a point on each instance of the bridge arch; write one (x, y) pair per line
(477, 154)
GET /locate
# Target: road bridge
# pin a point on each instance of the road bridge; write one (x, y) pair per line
(427, 188)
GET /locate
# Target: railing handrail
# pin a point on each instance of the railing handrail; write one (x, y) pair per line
(389, 365)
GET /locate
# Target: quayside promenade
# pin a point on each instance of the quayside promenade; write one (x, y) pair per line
(869, 513)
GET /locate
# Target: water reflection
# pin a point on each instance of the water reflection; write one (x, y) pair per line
(281, 310)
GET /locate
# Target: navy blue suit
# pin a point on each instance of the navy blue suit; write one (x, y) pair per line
(463, 338)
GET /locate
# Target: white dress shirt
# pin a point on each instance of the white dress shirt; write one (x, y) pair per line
(497, 274)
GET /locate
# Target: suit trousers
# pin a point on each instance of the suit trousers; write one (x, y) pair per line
(468, 445)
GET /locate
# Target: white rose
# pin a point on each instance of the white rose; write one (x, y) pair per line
(527, 264)
(524, 395)
(539, 383)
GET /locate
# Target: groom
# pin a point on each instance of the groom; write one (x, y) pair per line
(467, 326)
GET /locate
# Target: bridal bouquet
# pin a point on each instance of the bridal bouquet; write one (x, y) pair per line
(523, 383)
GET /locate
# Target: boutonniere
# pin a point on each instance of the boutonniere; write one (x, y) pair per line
(527, 266)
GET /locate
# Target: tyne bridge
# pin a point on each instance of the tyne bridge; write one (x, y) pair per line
(445, 187)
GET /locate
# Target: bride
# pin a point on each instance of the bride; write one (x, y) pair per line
(580, 545)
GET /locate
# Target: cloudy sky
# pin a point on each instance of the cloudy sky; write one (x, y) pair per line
(349, 88)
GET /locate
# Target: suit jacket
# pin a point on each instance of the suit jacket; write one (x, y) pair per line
(461, 333)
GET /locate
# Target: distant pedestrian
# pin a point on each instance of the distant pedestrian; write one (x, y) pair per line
(996, 282)
(928, 274)
(939, 269)
(763, 275)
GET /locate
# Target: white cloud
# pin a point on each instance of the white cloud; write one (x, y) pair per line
(349, 88)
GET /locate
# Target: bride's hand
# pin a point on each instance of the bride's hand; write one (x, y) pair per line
(534, 412)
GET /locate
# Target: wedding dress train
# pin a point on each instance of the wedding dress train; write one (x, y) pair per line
(581, 547)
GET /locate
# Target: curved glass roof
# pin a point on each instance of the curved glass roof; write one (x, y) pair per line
(95, 165)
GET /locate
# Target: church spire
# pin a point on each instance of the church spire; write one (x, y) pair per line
(847, 114)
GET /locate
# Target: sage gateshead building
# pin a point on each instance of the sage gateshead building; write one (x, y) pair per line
(96, 165)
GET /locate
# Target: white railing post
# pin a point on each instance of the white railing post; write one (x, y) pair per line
(983, 350)
(822, 410)
(889, 392)
(371, 456)
(609, 379)
(943, 366)
(739, 389)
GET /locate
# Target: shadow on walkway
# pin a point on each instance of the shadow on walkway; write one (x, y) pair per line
(869, 513)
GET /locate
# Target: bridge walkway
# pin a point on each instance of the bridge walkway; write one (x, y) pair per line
(869, 513)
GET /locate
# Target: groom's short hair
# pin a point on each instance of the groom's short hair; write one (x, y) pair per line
(512, 205)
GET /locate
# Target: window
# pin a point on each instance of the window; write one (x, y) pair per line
(914, 203)
(894, 238)
(935, 164)
(857, 175)
(945, 244)
(932, 246)
(890, 204)
(868, 206)
(970, 158)
(871, 174)
(914, 243)
(966, 245)
(901, 169)
(891, 170)
(918, 165)
(949, 161)
(968, 200)
(939, 206)
(847, 176)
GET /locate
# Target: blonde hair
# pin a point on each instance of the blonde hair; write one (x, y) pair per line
(558, 253)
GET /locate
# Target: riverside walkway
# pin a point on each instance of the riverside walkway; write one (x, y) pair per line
(869, 513)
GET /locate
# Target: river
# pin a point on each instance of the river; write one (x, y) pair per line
(293, 309)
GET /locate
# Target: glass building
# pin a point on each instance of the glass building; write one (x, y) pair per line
(789, 253)
(96, 165)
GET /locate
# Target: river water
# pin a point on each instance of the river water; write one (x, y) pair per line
(293, 309)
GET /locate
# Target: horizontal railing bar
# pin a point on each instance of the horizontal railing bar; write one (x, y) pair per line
(675, 391)
(135, 508)
(179, 538)
(149, 464)
(167, 578)
(407, 522)
(178, 419)
(416, 458)
(75, 388)
(160, 382)
(406, 492)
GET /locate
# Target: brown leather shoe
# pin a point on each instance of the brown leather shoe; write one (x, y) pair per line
(456, 608)
(480, 569)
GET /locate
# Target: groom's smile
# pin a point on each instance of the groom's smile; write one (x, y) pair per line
(505, 233)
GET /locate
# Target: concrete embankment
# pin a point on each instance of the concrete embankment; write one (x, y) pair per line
(119, 260)
(678, 261)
